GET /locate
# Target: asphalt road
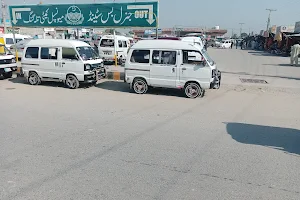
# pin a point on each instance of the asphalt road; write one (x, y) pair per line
(104, 142)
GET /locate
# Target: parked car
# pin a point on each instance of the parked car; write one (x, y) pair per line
(171, 64)
(8, 39)
(69, 61)
(225, 44)
(7, 62)
(20, 48)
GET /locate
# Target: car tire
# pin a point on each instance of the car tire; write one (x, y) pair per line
(193, 90)
(8, 75)
(34, 79)
(72, 82)
(140, 86)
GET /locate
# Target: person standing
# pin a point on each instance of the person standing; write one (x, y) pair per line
(295, 51)
(231, 44)
(236, 44)
(242, 43)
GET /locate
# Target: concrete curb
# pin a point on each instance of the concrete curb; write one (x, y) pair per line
(119, 76)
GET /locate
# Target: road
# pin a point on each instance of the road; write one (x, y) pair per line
(104, 142)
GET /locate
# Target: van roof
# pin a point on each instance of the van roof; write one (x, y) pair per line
(56, 42)
(163, 44)
(112, 36)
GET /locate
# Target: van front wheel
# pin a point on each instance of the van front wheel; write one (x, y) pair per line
(140, 86)
(34, 79)
(193, 90)
(72, 82)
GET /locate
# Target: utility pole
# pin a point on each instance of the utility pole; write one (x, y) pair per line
(241, 28)
(3, 10)
(269, 18)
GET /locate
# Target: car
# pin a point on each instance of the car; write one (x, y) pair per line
(225, 44)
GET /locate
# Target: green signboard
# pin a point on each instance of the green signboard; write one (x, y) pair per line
(137, 14)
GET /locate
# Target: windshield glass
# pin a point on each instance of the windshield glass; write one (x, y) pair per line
(107, 43)
(207, 57)
(4, 50)
(87, 53)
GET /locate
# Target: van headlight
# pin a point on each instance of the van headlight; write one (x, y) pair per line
(13, 60)
(87, 67)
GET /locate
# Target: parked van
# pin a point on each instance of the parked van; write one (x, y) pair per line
(193, 40)
(170, 64)
(69, 61)
(7, 62)
(8, 39)
(106, 47)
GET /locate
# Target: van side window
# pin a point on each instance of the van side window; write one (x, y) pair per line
(120, 43)
(190, 57)
(9, 41)
(69, 53)
(140, 56)
(49, 53)
(164, 57)
(124, 43)
(32, 52)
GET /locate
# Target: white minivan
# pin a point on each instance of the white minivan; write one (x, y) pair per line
(69, 61)
(170, 64)
(193, 40)
(107, 45)
(226, 44)
(8, 39)
(7, 62)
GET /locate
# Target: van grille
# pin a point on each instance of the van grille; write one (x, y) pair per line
(5, 61)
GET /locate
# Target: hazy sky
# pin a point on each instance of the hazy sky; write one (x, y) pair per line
(208, 13)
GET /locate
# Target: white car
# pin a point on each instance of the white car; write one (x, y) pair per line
(226, 44)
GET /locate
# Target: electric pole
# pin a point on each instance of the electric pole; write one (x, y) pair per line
(269, 18)
(241, 28)
(3, 10)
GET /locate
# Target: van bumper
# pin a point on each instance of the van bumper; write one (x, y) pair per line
(90, 78)
(216, 80)
(8, 67)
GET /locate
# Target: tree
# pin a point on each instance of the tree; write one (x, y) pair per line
(244, 35)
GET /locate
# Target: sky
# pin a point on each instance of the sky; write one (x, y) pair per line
(209, 13)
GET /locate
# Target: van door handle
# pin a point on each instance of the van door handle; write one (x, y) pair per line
(183, 68)
(63, 63)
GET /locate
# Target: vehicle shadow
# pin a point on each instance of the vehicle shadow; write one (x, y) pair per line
(284, 139)
(124, 87)
(282, 65)
(22, 80)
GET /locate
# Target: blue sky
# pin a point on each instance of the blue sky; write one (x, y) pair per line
(208, 13)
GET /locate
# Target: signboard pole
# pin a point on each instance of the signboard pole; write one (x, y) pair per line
(16, 50)
(115, 49)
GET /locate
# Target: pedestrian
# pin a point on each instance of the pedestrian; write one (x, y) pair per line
(242, 43)
(231, 44)
(236, 44)
(295, 51)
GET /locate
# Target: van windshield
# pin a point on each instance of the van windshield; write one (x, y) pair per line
(107, 43)
(207, 57)
(87, 53)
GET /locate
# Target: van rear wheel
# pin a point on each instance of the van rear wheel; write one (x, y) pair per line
(140, 86)
(72, 82)
(34, 79)
(193, 90)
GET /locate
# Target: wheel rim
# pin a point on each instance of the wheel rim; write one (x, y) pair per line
(192, 91)
(33, 79)
(71, 82)
(140, 87)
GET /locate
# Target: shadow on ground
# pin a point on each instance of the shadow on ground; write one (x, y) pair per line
(124, 87)
(22, 80)
(282, 65)
(270, 76)
(284, 139)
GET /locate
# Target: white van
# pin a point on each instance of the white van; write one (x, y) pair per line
(69, 61)
(107, 47)
(8, 39)
(226, 44)
(193, 40)
(170, 64)
(7, 62)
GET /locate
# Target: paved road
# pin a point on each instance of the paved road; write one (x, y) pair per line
(239, 142)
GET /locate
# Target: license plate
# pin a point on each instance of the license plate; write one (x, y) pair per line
(7, 69)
